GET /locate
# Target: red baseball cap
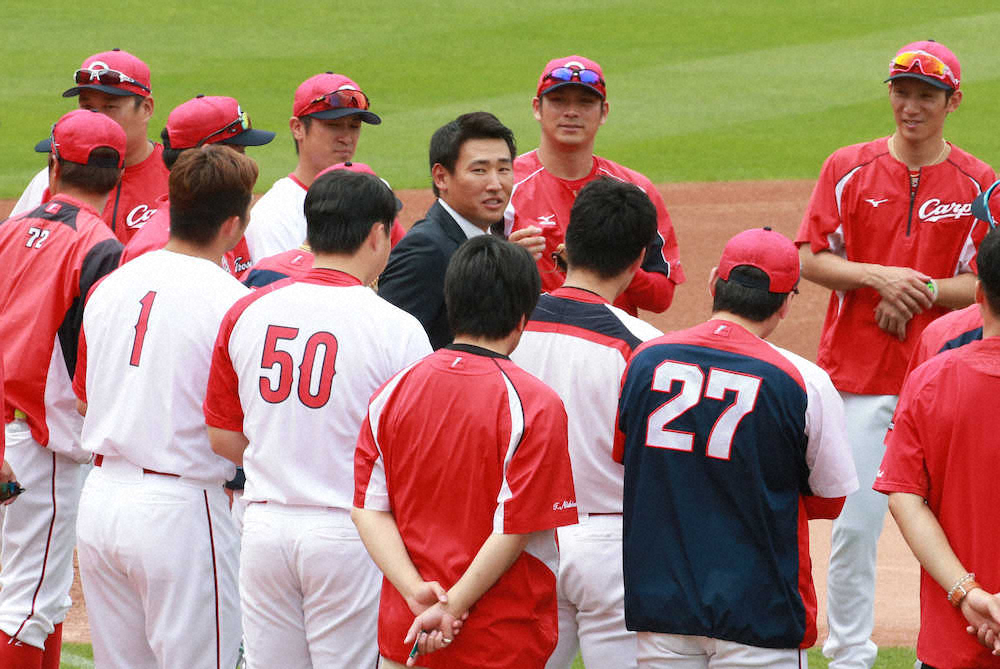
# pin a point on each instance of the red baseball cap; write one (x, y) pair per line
(359, 167)
(76, 135)
(114, 72)
(767, 250)
(986, 206)
(330, 95)
(928, 61)
(210, 119)
(572, 70)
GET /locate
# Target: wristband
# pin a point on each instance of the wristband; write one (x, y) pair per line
(933, 287)
(962, 587)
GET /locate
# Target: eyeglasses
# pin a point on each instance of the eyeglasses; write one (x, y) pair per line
(105, 77)
(583, 75)
(928, 64)
(241, 124)
(343, 98)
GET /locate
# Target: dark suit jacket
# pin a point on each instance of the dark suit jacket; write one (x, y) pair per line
(413, 279)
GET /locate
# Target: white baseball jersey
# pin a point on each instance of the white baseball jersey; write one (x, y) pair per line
(145, 351)
(293, 369)
(277, 220)
(33, 193)
(579, 345)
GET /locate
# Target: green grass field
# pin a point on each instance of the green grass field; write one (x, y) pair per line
(80, 656)
(715, 90)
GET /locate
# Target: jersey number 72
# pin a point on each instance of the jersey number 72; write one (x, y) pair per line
(693, 391)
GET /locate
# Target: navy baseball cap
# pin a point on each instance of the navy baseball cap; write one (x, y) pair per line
(767, 250)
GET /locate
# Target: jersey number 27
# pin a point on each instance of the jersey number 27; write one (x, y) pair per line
(693, 391)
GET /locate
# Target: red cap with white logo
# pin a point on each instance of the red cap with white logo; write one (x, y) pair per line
(330, 95)
(114, 72)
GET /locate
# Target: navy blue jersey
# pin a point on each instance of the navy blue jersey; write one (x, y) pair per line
(715, 429)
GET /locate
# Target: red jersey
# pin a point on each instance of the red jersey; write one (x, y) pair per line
(155, 234)
(133, 202)
(544, 200)
(952, 330)
(295, 264)
(862, 209)
(51, 257)
(458, 446)
(938, 447)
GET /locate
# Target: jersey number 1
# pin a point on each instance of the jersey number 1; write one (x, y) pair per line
(693, 390)
(140, 327)
(312, 395)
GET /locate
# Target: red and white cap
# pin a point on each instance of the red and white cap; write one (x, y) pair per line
(211, 119)
(767, 250)
(330, 95)
(572, 70)
(362, 168)
(928, 61)
(78, 133)
(114, 72)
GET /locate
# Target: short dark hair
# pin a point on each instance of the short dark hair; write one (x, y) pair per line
(610, 225)
(489, 286)
(341, 207)
(447, 141)
(170, 154)
(91, 178)
(753, 304)
(208, 184)
(988, 263)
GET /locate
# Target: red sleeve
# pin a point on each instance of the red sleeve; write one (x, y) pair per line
(826, 508)
(3, 409)
(822, 216)
(539, 475)
(904, 467)
(369, 481)
(222, 401)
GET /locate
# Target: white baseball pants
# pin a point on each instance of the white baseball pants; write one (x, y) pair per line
(678, 651)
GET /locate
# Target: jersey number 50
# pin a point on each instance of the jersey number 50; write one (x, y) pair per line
(313, 395)
(693, 391)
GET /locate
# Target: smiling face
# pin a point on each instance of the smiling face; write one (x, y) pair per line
(920, 109)
(480, 185)
(570, 115)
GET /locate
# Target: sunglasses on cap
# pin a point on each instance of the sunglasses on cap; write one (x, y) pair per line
(926, 63)
(241, 124)
(348, 98)
(105, 77)
(568, 74)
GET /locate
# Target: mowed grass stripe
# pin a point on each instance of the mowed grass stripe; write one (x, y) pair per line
(686, 79)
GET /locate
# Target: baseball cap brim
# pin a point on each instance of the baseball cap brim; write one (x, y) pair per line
(937, 83)
(110, 90)
(366, 116)
(44, 146)
(553, 87)
(251, 137)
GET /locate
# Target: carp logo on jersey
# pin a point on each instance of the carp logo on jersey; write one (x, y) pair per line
(934, 210)
(138, 216)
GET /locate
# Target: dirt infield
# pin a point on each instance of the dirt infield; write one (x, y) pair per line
(705, 215)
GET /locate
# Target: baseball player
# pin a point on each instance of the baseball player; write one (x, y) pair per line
(327, 114)
(291, 363)
(199, 121)
(157, 545)
(889, 230)
(578, 344)
(570, 105)
(461, 474)
(116, 84)
(729, 445)
(297, 262)
(51, 256)
(941, 492)
(963, 326)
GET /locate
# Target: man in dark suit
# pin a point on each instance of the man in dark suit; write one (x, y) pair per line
(471, 161)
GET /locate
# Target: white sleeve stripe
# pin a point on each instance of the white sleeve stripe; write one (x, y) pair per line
(839, 188)
(377, 492)
(516, 432)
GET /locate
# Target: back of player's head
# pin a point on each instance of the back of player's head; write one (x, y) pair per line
(490, 285)
(447, 141)
(610, 225)
(988, 263)
(757, 271)
(342, 205)
(208, 185)
(89, 148)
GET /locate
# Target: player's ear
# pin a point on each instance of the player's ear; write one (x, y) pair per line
(954, 101)
(980, 293)
(54, 173)
(786, 306)
(604, 112)
(440, 177)
(536, 108)
(712, 277)
(297, 127)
